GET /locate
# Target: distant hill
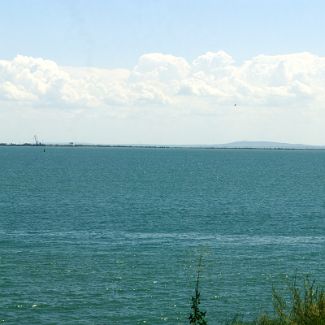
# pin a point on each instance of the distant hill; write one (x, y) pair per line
(267, 145)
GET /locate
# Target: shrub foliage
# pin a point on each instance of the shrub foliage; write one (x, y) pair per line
(197, 317)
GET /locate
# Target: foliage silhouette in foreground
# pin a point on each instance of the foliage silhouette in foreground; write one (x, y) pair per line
(197, 317)
(306, 306)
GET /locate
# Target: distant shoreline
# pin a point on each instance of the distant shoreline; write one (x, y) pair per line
(212, 147)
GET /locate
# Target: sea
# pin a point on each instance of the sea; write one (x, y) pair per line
(93, 235)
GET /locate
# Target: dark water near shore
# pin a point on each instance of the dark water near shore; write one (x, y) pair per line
(113, 235)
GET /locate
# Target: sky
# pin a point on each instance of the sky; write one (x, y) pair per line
(162, 71)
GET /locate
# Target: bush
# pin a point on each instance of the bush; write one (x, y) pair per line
(306, 306)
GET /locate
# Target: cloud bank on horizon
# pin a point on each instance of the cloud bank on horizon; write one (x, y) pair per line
(161, 79)
(266, 88)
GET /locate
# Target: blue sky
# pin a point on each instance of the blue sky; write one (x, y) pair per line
(115, 33)
(162, 71)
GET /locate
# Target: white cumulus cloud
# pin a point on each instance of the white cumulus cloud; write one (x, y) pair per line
(165, 97)
(161, 79)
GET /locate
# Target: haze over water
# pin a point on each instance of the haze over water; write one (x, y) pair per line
(113, 235)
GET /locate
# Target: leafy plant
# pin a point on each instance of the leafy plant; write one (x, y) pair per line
(305, 306)
(197, 317)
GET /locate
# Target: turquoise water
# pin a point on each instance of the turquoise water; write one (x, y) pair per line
(113, 235)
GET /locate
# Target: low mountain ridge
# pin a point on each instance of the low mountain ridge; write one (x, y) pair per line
(268, 144)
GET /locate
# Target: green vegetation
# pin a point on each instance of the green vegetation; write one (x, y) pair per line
(304, 305)
(197, 317)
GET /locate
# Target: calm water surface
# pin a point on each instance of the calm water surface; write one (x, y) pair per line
(113, 235)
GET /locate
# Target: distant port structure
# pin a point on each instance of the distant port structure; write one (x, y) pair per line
(37, 142)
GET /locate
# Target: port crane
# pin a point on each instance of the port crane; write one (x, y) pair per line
(37, 143)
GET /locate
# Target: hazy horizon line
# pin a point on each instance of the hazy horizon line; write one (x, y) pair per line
(245, 144)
